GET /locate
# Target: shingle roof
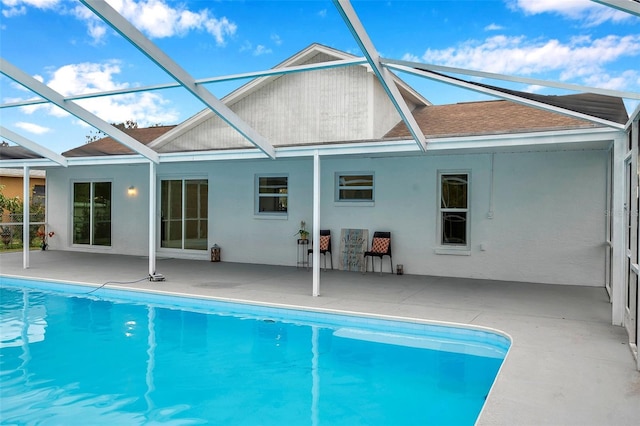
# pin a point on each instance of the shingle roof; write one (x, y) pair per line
(462, 119)
(12, 152)
(495, 117)
(601, 106)
(109, 146)
(609, 108)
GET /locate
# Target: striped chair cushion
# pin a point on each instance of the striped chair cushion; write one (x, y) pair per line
(324, 242)
(380, 245)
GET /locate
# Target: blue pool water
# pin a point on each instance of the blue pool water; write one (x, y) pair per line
(119, 357)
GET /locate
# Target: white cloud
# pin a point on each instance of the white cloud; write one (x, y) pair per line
(246, 46)
(146, 108)
(493, 27)
(410, 57)
(622, 82)
(155, 18)
(261, 50)
(533, 88)
(322, 13)
(14, 11)
(275, 38)
(579, 58)
(40, 4)
(86, 77)
(589, 12)
(13, 8)
(32, 128)
(158, 19)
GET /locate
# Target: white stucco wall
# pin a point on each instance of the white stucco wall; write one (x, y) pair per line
(548, 222)
(129, 214)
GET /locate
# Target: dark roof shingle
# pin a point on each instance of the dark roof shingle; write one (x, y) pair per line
(503, 117)
(109, 146)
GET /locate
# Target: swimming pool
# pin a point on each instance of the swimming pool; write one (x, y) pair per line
(123, 357)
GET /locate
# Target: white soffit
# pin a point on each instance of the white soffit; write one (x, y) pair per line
(153, 52)
(30, 162)
(56, 98)
(384, 76)
(32, 146)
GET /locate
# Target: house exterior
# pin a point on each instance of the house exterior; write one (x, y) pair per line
(536, 183)
(505, 191)
(12, 184)
(12, 181)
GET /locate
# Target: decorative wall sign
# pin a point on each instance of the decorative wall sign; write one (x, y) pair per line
(353, 244)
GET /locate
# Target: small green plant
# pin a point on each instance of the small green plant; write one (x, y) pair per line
(304, 234)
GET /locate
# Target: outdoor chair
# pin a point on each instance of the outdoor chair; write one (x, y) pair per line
(325, 247)
(380, 247)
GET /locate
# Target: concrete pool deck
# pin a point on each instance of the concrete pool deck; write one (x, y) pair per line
(567, 366)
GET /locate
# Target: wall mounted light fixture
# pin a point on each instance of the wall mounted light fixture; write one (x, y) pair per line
(132, 191)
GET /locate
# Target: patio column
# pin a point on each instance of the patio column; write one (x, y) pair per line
(152, 218)
(25, 218)
(316, 223)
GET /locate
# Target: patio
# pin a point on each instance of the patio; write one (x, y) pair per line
(567, 365)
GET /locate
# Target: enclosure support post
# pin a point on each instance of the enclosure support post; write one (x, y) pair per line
(316, 223)
(617, 237)
(152, 218)
(25, 218)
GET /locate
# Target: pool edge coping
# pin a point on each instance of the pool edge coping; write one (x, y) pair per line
(369, 315)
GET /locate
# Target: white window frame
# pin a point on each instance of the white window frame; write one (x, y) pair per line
(92, 183)
(258, 196)
(454, 249)
(355, 201)
(183, 221)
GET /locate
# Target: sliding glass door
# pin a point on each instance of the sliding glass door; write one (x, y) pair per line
(184, 214)
(92, 213)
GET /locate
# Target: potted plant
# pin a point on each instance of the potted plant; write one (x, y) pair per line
(43, 234)
(304, 234)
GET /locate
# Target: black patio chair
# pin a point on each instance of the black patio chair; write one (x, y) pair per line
(325, 247)
(380, 247)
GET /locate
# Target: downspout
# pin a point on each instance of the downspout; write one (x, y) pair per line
(491, 186)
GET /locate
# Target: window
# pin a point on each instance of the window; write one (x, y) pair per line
(272, 194)
(184, 208)
(454, 209)
(38, 194)
(354, 186)
(92, 213)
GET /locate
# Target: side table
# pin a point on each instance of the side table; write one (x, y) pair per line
(303, 258)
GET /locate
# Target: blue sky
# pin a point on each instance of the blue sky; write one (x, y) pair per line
(65, 46)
